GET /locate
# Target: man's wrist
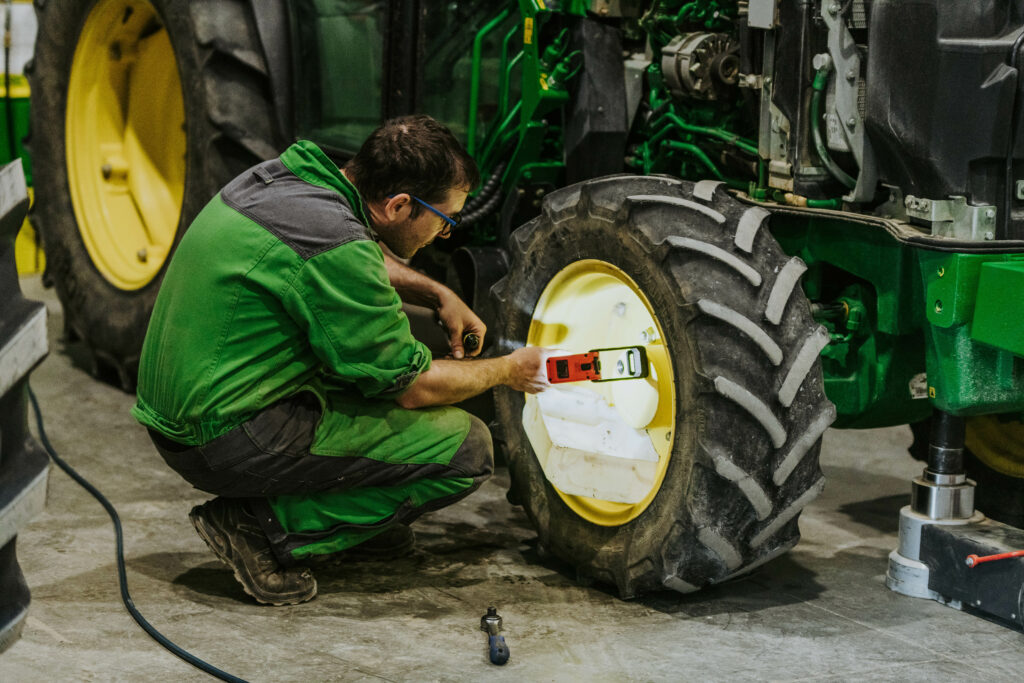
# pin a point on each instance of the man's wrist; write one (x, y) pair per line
(506, 369)
(439, 294)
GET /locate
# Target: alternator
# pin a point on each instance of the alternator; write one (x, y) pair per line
(700, 65)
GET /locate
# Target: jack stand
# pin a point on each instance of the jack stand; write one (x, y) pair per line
(940, 528)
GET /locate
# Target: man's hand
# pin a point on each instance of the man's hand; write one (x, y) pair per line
(451, 381)
(528, 370)
(459, 320)
(416, 288)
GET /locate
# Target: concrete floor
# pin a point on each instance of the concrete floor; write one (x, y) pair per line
(822, 612)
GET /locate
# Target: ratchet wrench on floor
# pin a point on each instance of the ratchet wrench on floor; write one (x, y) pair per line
(491, 623)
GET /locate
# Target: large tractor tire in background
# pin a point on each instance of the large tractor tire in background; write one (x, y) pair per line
(141, 111)
(994, 459)
(698, 473)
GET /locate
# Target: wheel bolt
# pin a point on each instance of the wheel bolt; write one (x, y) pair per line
(114, 168)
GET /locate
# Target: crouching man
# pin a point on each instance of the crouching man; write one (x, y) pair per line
(279, 372)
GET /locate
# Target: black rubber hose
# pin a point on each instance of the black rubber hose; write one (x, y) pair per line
(489, 187)
(122, 576)
(485, 193)
(482, 196)
(484, 210)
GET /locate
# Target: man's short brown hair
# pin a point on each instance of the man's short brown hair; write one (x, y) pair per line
(412, 154)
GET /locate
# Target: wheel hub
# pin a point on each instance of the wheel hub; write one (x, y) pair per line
(605, 447)
(125, 137)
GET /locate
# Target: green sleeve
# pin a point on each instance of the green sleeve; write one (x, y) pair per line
(354, 321)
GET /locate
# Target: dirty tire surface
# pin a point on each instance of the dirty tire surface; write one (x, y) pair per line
(750, 399)
(229, 127)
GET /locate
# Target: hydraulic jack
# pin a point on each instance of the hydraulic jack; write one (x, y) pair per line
(942, 537)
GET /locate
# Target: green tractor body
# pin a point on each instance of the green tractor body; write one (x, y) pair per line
(503, 76)
(787, 201)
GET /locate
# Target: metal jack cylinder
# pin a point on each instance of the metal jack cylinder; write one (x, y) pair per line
(946, 444)
(943, 490)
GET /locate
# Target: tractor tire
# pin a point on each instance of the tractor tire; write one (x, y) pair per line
(24, 466)
(745, 381)
(994, 459)
(168, 101)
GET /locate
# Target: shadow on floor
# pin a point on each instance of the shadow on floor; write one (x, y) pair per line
(784, 581)
(881, 514)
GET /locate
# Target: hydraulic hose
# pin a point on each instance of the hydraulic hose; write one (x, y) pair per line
(490, 186)
(122, 577)
(483, 211)
(724, 136)
(819, 145)
(703, 158)
(474, 83)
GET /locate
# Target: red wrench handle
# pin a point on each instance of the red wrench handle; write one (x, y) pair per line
(974, 560)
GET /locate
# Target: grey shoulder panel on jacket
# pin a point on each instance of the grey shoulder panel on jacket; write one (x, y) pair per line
(307, 218)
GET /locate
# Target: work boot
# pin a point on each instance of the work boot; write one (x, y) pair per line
(394, 542)
(235, 537)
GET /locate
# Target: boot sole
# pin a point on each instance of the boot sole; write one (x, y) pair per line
(212, 538)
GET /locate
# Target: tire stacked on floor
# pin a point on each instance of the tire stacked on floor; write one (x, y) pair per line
(23, 464)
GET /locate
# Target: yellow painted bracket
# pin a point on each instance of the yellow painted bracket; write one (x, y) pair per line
(28, 250)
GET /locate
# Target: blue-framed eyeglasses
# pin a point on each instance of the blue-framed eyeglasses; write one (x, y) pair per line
(451, 222)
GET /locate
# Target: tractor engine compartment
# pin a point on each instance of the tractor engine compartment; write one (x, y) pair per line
(877, 106)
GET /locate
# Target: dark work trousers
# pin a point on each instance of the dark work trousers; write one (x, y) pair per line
(311, 504)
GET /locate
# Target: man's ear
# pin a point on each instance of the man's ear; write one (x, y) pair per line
(396, 205)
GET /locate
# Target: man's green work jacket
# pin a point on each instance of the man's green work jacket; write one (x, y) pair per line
(278, 287)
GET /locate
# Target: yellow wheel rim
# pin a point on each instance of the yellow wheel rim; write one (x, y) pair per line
(125, 137)
(605, 447)
(998, 444)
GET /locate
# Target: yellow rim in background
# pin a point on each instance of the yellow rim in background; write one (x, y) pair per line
(998, 444)
(565, 319)
(125, 139)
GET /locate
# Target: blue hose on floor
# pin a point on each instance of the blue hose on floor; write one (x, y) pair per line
(122, 577)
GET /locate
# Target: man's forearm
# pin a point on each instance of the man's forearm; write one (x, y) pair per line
(451, 381)
(413, 286)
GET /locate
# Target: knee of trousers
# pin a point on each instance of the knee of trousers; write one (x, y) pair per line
(475, 456)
